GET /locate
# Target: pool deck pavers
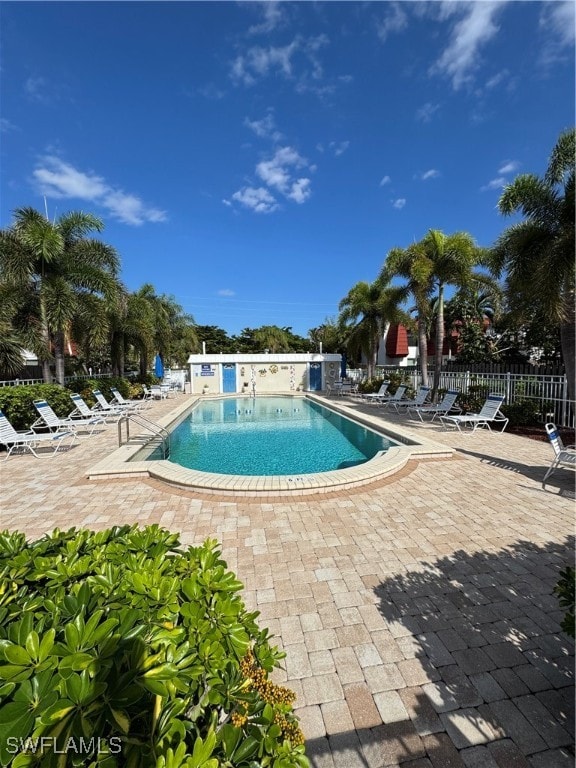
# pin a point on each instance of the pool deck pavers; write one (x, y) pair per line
(417, 613)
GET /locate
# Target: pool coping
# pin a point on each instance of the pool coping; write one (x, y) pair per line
(120, 463)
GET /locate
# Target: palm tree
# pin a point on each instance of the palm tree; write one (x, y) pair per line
(413, 264)
(364, 313)
(55, 266)
(452, 259)
(537, 254)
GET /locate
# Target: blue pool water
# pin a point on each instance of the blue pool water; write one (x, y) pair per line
(270, 436)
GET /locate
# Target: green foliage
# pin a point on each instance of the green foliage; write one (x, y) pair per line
(123, 639)
(474, 399)
(16, 402)
(526, 412)
(395, 379)
(566, 592)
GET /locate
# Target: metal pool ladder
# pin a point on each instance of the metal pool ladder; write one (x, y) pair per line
(160, 435)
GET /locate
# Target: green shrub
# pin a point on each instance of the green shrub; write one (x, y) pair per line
(130, 651)
(474, 399)
(16, 402)
(525, 412)
(395, 378)
(566, 592)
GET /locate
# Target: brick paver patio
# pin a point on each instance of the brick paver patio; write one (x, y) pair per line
(417, 614)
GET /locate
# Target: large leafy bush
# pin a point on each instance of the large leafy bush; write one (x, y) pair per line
(16, 402)
(119, 648)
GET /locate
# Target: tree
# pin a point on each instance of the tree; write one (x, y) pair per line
(537, 254)
(53, 267)
(365, 311)
(413, 264)
(451, 261)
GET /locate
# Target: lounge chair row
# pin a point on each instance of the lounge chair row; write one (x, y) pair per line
(81, 419)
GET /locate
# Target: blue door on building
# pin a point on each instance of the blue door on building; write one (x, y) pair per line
(229, 377)
(315, 377)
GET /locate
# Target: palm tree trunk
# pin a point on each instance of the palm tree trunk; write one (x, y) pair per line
(567, 343)
(59, 356)
(45, 332)
(439, 342)
(117, 353)
(423, 350)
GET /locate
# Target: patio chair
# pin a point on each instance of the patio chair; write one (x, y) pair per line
(82, 409)
(136, 405)
(147, 393)
(48, 418)
(564, 455)
(489, 414)
(29, 440)
(385, 401)
(103, 405)
(445, 406)
(417, 401)
(372, 397)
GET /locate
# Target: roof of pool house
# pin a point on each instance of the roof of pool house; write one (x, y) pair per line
(265, 357)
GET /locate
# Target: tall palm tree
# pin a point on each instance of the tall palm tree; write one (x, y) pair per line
(537, 254)
(365, 312)
(56, 265)
(452, 261)
(414, 266)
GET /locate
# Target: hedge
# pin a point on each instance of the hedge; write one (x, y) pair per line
(120, 648)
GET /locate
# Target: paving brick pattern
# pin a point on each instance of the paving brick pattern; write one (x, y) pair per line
(417, 614)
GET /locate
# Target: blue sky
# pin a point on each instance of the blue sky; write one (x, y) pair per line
(257, 159)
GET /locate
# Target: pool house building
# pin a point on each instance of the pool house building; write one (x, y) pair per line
(262, 373)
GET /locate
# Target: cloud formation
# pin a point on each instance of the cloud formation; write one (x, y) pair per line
(257, 199)
(265, 128)
(57, 179)
(427, 111)
(501, 180)
(385, 180)
(399, 203)
(395, 20)
(284, 174)
(431, 174)
(473, 30)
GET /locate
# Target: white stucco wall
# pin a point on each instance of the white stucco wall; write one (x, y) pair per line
(265, 372)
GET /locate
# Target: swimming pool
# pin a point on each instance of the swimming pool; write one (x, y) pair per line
(270, 436)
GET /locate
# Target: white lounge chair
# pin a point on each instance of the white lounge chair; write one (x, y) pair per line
(489, 414)
(103, 405)
(420, 399)
(82, 409)
(564, 455)
(29, 440)
(136, 405)
(48, 418)
(447, 404)
(372, 397)
(385, 401)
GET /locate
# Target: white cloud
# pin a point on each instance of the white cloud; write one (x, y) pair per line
(509, 167)
(395, 21)
(258, 199)
(557, 19)
(399, 203)
(274, 17)
(474, 29)
(265, 128)
(36, 89)
(6, 126)
(277, 173)
(225, 292)
(431, 174)
(57, 179)
(258, 62)
(339, 147)
(497, 183)
(426, 112)
(385, 180)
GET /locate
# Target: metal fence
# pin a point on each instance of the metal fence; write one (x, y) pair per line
(549, 392)
(27, 382)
